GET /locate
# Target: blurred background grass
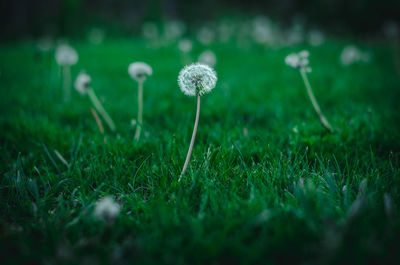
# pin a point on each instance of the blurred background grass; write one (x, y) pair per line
(74, 18)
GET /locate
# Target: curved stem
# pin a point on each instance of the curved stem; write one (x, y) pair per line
(98, 122)
(196, 123)
(99, 107)
(66, 82)
(140, 111)
(97, 119)
(314, 102)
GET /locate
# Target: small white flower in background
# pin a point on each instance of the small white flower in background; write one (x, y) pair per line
(185, 45)
(45, 44)
(205, 35)
(82, 83)
(391, 29)
(351, 54)
(150, 31)
(295, 35)
(107, 209)
(208, 57)
(66, 55)
(316, 38)
(197, 79)
(225, 31)
(299, 60)
(174, 29)
(139, 71)
(262, 30)
(96, 36)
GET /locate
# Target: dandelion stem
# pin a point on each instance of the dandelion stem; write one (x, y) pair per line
(66, 83)
(99, 107)
(140, 111)
(196, 123)
(97, 119)
(99, 123)
(314, 102)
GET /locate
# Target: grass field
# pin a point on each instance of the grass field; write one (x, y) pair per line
(266, 184)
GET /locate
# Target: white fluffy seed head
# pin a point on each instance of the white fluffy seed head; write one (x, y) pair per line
(292, 60)
(66, 55)
(139, 71)
(82, 83)
(107, 209)
(299, 60)
(208, 57)
(196, 79)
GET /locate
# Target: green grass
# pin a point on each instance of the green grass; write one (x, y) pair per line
(272, 196)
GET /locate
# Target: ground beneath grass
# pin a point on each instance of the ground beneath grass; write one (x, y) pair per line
(266, 184)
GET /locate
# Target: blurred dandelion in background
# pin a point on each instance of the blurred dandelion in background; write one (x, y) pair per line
(205, 35)
(185, 46)
(139, 71)
(301, 62)
(83, 86)
(351, 54)
(208, 57)
(107, 209)
(66, 56)
(96, 36)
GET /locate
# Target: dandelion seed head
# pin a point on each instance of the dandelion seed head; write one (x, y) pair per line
(262, 31)
(350, 55)
(82, 83)
(391, 29)
(66, 55)
(174, 29)
(150, 31)
(139, 71)
(205, 35)
(226, 31)
(45, 44)
(208, 57)
(197, 79)
(299, 60)
(316, 38)
(96, 36)
(292, 60)
(107, 209)
(185, 45)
